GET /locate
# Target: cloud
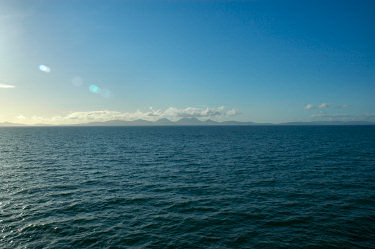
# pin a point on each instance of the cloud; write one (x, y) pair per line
(344, 117)
(21, 117)
(152, 114)
(323, 105)
(309, 106)
(192, 112)
(231, 112)
(6, 86)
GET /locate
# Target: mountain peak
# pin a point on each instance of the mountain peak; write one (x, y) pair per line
(189, 121)
(163, 120)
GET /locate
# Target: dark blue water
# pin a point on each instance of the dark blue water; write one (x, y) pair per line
(187, 187)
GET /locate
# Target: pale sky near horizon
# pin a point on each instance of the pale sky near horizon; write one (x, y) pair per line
(73, 61)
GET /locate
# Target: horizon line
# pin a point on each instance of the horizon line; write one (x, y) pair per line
(193, 122)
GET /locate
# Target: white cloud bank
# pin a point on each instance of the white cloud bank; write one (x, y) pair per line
(321, 106)
(344, 117)
(152, 114)
(6, 86)
(309, 106)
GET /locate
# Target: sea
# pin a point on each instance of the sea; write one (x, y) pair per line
(187, 187)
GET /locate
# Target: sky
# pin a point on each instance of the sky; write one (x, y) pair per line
(65, 62)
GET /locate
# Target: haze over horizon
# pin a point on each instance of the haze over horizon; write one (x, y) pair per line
(70, 62)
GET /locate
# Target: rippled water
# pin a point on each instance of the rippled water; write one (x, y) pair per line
(187, 187)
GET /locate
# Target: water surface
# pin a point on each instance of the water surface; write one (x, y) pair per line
(187, 187)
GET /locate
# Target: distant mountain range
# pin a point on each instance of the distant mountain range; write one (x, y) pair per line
(167, 122)
(10, 124)
(197, 122)
(330, 123)
(209, 122)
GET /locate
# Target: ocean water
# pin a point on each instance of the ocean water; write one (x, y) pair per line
(187, 187)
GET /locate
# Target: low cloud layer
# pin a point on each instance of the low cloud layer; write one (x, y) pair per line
(309, 106)
(343, 117)
(152, 114)
(324, 106)
(327, 115)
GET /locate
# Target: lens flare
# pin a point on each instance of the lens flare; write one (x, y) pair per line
(94, 89)
(44, 68)
(105, 93)
(77, 81)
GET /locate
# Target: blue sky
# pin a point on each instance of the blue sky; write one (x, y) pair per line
(263, 61)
